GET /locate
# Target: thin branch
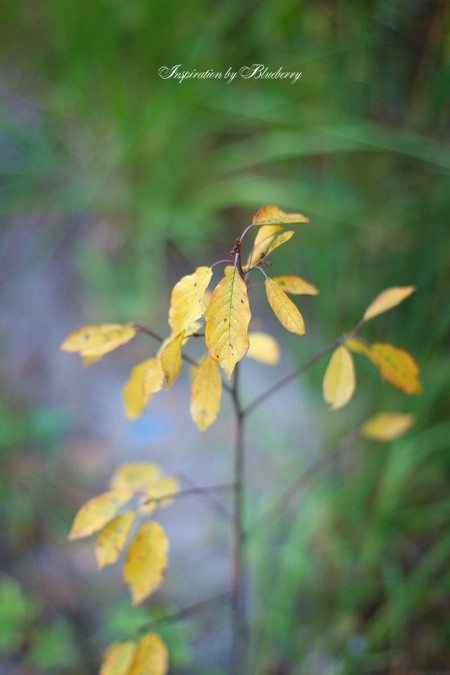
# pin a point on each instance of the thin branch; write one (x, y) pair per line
(185, 612)
(288, 378)
(206, 492)
(187, 492)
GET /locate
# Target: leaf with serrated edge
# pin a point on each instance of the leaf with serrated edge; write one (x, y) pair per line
(135, 476)
(151, 657)
(272, 215)
(295, 285)
(264, 348)
(284, 309)
(146, 561)
(187, 300)
(387, 426)
(227, 320)
(397, 367)
(159, 494)
(134, 396)
(98, 339)
(97, 512)
(118, 658)
(206, 393)
(111, 540)
(388, 299)
(339, 381)
(172, 358)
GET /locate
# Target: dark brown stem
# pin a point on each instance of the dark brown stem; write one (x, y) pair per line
(288, 378)
(240, 631)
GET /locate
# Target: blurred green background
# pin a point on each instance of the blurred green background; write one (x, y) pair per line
(113, 184)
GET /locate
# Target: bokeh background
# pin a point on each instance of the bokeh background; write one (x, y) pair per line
(113, 184)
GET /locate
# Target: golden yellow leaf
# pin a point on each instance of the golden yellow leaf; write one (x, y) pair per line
(118, 658)
(339, 381)
(153, 379)
(206, 392)
(284, 309)
(135, 476)
(187, 300)
(360, 347)
(135, 396)
(387, 426)
(111, 540)
(295, 285)
(264, 348)
(151, 657)
(388, 299)
(146, 561)
(172, 358)
(96, 340)
(397, 367)
(90, 360)
(97, 512)
(160, 494)
(227, 322)
(272, 215)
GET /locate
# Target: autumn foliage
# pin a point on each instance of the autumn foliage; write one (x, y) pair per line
(223, 319)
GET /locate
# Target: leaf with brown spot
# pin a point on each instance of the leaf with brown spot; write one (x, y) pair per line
(397, 367)
(295, 285)
(98, 339)
(272, 215)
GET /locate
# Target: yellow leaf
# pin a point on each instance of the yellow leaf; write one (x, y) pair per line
(284, 309)
(153, 379)
(272, 215)
(118, 658)
(100, 339)
(187, 300)
(360, 347)
(206, 393)
(172, 358)
(339, 380)
(160, 494)
(264, 348)
(387, 426)
(295, 285)
(151, 657)
(397, 367)
(135, 476)
(146, 561)
(262, 241)
(90, 360)
(135, 395)
(388, 299)
(111, 540)
(227, 322)
(97, 512)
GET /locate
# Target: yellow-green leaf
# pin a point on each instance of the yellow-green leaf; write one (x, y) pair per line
(397, 367)
(187, 300)
(206, 392)
(227, 320)
(146, 561)
(272, 215)
(295, 285)
(172, 358)
(135, 476)
(97, 512)
(339, 380)
(151, 657)
(160, 494)
(96, 340)
(263, 239)
(284, 309)
(360, 347)
(135, 395)
(387, 426)
(118, 658)
(111, 540)
(388, 299)
(264, 348)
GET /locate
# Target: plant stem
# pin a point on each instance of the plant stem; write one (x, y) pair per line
(240, 631)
